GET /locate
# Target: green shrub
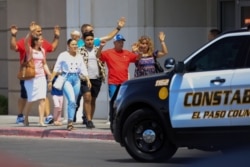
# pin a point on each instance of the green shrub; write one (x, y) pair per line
(3, 105)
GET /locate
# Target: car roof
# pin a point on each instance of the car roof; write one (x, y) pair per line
(244, 29)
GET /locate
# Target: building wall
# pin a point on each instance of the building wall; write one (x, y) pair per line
(21, 13)
(185, 23)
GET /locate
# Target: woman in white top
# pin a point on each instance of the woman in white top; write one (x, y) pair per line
(70, 64)
(36, 88)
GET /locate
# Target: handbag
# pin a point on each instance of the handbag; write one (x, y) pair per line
(27, 70)
(158, 67)
(59, 82)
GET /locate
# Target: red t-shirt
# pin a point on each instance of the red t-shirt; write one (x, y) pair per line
(118, 63)
(21, 48)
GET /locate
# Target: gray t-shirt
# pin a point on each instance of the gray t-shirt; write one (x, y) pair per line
(93, 69)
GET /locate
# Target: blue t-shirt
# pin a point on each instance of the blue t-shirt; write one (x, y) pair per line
(55, 91)
(97, 42)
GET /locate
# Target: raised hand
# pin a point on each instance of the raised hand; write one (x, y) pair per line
(135, 48)
(103, 43)
(121, 22)
(13, 30)
(161, 36)
(32, 26)
(57, 30)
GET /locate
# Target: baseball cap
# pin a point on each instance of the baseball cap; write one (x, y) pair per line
(119, 37)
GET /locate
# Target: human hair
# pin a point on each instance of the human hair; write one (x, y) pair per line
(215, 32)
(84, 26)
(69, 41)
(86, 34)
(34, 39)
(149, 42)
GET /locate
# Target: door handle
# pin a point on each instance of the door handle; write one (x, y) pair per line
(221, 80)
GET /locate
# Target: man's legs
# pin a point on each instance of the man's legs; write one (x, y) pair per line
(78, 101)
(21, 103)
(87, 107)
(112, 89)
(95, 89)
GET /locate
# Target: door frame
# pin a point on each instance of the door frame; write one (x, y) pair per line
(238, 7)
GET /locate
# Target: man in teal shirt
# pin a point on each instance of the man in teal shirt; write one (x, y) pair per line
(87, 28)
(97, 41)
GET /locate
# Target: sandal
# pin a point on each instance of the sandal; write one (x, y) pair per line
(70, 127)
(57, 123)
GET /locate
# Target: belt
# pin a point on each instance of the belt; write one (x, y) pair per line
(69, 73)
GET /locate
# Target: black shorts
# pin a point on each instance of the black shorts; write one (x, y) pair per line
(23, 90)
(95, 89)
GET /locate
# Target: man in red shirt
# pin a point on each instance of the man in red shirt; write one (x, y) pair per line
(117, 60)
(19, 46)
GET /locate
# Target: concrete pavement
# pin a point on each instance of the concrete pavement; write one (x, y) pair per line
(8, 127)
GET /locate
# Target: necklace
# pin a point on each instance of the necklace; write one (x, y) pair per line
(145, 55)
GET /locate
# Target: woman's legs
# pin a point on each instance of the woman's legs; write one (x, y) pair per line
(93, 101)
(41, 107)
(71, 89)
(26, 113)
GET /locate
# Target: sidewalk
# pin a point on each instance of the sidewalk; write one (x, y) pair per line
(8, 127)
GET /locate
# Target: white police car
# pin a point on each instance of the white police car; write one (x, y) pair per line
(202, 102)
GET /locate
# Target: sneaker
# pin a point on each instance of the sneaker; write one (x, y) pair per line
(20, 119)
(84, 120)
(49, 119)
(90, 125)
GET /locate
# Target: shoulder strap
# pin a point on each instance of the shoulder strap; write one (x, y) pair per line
(44, 57)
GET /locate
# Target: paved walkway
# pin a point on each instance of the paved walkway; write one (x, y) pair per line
(8, 127)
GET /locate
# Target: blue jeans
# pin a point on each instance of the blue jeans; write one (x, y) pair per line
(71, 90)
(112, 89)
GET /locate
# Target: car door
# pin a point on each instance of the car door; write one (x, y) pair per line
(199, 96)
(240, 102)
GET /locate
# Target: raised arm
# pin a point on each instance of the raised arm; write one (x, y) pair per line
(13, 42)
(135, 50)
(56, 37)
(164, 49)
(120, 24)
(28, 37)
(98, 54)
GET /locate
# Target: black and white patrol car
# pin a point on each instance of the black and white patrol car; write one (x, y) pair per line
(202, 102)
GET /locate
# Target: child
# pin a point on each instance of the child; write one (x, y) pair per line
(57, 96)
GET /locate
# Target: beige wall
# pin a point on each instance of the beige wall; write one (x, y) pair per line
(185, 23)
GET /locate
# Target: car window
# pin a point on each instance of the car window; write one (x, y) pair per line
(227, 53)
(248, 56)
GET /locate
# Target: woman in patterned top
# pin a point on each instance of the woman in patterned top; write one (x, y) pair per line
(144, 46)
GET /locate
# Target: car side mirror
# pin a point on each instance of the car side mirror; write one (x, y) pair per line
(169, 64)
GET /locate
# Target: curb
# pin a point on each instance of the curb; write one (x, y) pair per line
(56, 133)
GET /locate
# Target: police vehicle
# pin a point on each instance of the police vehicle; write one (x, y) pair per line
(202, 103)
